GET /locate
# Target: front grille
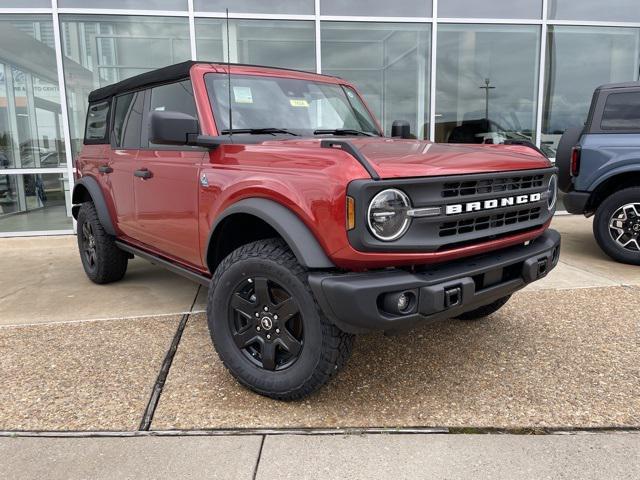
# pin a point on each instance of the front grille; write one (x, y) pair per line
(491, 185)
(488, 222)
(483, 207)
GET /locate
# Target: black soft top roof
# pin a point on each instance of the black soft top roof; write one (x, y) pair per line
(614, 86)
(171, 73)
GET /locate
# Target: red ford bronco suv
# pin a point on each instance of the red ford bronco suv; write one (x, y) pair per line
(277, 190)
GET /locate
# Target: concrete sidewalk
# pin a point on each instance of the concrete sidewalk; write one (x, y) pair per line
(352, 457)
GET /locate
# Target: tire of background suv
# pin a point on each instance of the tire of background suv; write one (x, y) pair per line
(261, 290)
(485, 310)
(612, 204)
(102, 260)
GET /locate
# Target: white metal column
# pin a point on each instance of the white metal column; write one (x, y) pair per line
(432, 83)
(63, 107)
(541, 73)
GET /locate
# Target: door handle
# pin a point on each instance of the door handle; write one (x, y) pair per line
(105, 169)
(143, 173)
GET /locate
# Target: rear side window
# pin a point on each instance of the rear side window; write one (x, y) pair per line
(127, 120)
(97, 120)
(621, 112)
(173, 97)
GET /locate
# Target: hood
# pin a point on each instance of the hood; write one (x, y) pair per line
(397, 158)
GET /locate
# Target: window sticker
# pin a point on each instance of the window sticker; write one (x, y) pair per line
(242, 95)
(299, 102)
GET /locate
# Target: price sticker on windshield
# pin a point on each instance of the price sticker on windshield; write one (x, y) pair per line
(299, 102)
(242, 95)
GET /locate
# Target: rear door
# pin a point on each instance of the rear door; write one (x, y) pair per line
(167, 183)
(126, 127)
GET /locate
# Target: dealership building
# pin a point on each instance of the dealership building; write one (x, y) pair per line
(458, 70)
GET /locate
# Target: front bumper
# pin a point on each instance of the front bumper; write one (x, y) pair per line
(354, 301)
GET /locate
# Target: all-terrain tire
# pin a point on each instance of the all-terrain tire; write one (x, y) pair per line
(604, 215)
(102, 260)
(324, 347)
(485, 310)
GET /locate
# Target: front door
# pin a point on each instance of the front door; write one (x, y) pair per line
(166, 182)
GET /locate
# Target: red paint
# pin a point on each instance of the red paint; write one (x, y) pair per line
(172, 215)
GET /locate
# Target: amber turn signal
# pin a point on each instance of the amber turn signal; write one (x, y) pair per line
(351, 213)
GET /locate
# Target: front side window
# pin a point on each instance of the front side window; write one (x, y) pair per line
(621, 112)
(300, 106)
(173, 97)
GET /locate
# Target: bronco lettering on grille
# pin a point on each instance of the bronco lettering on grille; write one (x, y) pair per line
(492, 203)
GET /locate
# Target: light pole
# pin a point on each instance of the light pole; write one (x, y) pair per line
(486, 89)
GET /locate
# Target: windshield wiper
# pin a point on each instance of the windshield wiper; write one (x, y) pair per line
(259, 131)
(343, 131)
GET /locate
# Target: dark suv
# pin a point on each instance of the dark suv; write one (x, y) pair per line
(599, 169)
(305, 222)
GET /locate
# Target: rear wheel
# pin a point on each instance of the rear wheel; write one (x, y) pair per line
(266, 326)
(616, 226)
(102, 260)
(485, 310)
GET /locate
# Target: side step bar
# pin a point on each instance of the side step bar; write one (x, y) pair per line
(185, 272)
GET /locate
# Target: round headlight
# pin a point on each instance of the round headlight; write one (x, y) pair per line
(387, 214)
(552, 191)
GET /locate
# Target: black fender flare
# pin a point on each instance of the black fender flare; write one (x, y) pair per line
(295, 233)
(95, 192)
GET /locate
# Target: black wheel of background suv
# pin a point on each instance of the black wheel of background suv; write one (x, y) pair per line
(266, 326)
(617, 225)
(485, 310)
(102, 260)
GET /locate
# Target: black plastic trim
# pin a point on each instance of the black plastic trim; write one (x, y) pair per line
(295, 233)
(351, 300)
(576, 202)
(180, 270)
(354, 152)
(91, 185)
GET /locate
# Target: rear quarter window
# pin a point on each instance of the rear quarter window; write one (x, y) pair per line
(621, 112)
(97, 121)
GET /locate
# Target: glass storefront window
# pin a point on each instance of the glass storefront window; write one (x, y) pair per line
(30, 113)
(487, 78)
(176, 5)
(100, 50)
(34, 202)
(276, 7)
(377, 8)
(31, 134)
(388, 62)
(276, 43)
(25, 3)
(594, 10)
(492, 9)
(579, 59)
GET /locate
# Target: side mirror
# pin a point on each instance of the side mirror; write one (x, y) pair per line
(172, 128)
(401, 129)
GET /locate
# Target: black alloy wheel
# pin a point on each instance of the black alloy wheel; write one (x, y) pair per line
(266, 323)
(88, 240)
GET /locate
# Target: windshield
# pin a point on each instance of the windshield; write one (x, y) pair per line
(287, 106)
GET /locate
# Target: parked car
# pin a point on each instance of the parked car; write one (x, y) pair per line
(599, 169)
(305, 222)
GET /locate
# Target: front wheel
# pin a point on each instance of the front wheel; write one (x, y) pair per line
(485, 310)
(616, 226)
(267, 327)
